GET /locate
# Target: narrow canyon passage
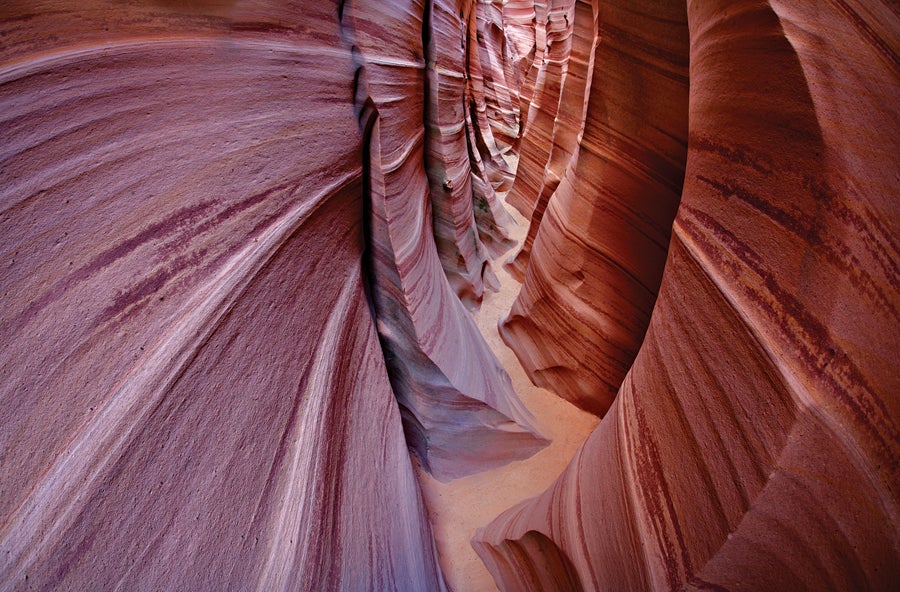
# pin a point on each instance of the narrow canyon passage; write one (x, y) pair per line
(457, 509)
(449, 295)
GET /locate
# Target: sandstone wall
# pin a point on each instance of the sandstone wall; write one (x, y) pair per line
(210, 272)
(753, 444)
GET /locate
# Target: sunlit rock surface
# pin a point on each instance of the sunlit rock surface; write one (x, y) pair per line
(753, 444)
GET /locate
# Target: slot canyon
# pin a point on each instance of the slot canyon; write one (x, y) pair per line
(450, 295)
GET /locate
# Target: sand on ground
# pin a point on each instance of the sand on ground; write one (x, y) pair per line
(457, 509)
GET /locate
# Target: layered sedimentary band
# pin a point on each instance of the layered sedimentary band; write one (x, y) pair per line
(753, 444)
(195, 393)
(440, 366)
(599, 248)
(236, 238)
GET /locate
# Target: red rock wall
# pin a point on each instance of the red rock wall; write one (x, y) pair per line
(490, 171)
(463, 256)
(456, 399)
(226, 319)
(496, 64)
(198, 364)
(550, 67)
(463, 162)
(176, 403)
(753, 444)
(600, 247)
(568, 126)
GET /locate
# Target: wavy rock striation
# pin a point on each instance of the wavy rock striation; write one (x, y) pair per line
(488, 78)
(599, 248)
(463, 256)
(456, 399)
(568, 126)
(235, 235)
(548, 69)
(754, 442)
(208, 277)
(463, 163)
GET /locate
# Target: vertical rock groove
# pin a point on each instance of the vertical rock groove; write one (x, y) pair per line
(455, 407)
(599, 248)
(193, 391)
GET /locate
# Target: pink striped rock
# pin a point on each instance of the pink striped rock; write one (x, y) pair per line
(457, 401)
(195, 393)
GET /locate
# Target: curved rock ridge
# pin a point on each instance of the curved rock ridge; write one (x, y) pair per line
(456, 399)
(195, 387)
(754, 442)
(531, 61)
(568, 126)
(235, 235)
(522, 28)
(599, 243)
(496, 65)
(178, 413)
(550, 66)
(486, 53)
(463, 163)
(463, 256)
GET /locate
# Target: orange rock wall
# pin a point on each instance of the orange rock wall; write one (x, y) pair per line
(753, 444)
(567, 128)
(599, 248)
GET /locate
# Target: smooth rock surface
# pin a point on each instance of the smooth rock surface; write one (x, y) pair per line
(754, 442)
(599, 248)
(194, 392)
(459, 508)
(460, 412)
(447, 154)
(234, 235)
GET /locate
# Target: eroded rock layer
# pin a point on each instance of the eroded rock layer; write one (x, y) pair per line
(441, 368)
(754, 442)
(234, 236)
(198, 364)
(459, 245)
(493, 67)
(568, 127)
(600, 247)
(487, 78)
(549, 69)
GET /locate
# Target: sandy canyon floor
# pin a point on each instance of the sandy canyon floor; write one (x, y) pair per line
(457, 509)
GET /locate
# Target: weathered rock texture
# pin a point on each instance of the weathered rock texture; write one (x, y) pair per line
(600, 247)
(214, 283)
(488, 78)
(463, 162)
(463, 255)
(234, 236)
(496, 64)
(754, 442)
(568, 126)
(457, 402)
